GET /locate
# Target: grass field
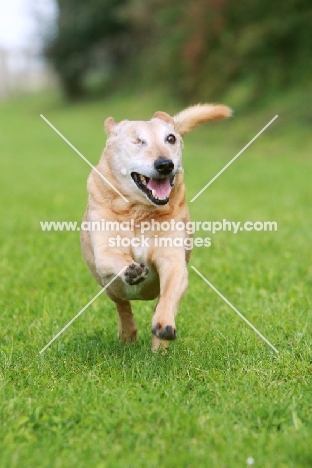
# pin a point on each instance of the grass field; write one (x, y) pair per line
(220, 395)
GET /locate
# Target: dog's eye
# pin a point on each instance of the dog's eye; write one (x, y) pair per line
(171, 139)
(139, 141)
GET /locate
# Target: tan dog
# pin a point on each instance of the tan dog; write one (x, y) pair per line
(142, 160)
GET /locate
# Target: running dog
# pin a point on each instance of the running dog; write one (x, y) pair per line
(143, 183)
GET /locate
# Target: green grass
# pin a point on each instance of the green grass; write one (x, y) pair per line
(220, 395)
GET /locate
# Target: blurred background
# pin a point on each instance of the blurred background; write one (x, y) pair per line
(194, 50)
(22, 34)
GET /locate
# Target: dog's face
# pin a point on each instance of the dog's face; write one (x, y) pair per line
(144, 157)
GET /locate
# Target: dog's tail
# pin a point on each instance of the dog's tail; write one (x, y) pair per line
(189, 118)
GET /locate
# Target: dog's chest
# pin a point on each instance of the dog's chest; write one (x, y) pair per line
(140, 253)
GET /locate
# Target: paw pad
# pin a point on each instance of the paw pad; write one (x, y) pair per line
(135, 273)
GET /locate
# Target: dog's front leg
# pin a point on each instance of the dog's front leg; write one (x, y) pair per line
(114, 261)
(110, 262)
(172, 273)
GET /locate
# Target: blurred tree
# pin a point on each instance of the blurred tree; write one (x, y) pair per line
(198, 49)
(82, 28)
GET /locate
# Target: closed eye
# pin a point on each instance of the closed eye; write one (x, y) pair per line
(139, 141)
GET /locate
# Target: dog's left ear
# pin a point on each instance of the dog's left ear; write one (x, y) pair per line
(164, 116)
(189, 118)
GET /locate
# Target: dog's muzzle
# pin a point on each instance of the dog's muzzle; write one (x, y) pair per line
(157, 190)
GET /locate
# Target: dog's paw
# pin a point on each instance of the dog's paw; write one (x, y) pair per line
(159, 346)
(135, 273)
(166, 332)
(128, 335)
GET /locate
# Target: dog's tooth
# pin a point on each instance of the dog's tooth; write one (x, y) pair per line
(154, 193)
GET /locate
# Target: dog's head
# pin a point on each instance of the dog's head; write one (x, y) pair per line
(144, 157)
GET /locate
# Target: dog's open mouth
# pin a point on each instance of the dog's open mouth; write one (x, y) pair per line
(157, 190)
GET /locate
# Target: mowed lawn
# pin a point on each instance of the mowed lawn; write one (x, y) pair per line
(220, 395)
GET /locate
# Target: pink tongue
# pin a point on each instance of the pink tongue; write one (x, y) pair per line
(162, 187)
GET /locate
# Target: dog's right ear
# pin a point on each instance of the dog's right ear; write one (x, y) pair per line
(109, 124)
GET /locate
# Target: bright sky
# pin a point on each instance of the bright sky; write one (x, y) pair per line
(18, 26)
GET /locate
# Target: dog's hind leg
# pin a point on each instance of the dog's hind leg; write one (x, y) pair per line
(127, 329)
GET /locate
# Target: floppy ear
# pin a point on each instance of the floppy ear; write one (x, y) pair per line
(189, 118)
(164, 116)
(109, 124)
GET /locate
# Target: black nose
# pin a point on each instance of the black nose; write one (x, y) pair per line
(163, 166)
